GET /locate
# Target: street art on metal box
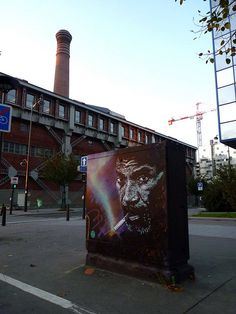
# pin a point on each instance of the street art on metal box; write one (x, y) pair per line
(126, 204)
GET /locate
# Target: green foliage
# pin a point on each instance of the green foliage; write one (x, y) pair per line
(217, 21)
(227, 177)
(61, 169)
(218, 215)
(213, 198)
(220, 193)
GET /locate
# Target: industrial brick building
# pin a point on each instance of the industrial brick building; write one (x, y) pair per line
(60, 125)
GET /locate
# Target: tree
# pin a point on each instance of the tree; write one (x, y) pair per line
(220, 193)
(218, 21)
(226, 175)
(213, 197)
(61, 170)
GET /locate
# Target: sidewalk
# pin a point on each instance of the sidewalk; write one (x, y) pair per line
(195, 210)
(57, 251)
(55, 211)
(42, 211)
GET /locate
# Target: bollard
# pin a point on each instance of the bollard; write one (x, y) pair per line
(67, 212)
(4, 212)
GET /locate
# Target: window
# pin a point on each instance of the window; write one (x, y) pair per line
(46, 106)
(61, 111)
(147, 139)
(11, 147)
(90, 120)
(139, 136)
(131, 133)
(11, 96)
(30, 100)
(225, 77)
(228, 130)
(23, 149)
(17, 148)
(5, 147)
(227, 112)
(77, 116)
(24, 127)
(39, 152)
(112, 127)
(122, 131)
(101, 124)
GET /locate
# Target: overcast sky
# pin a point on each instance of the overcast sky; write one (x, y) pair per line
(136, 57)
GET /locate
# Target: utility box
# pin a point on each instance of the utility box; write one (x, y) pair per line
(136, 212)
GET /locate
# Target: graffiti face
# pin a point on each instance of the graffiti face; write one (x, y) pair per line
(135, 183)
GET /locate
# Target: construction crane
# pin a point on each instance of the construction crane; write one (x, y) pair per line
(199, 116)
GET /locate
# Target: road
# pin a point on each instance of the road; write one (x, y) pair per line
(42, 270)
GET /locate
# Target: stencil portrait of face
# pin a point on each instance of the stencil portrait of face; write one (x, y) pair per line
(136, 181)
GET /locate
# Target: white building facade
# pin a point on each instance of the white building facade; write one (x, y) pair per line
(214, 156)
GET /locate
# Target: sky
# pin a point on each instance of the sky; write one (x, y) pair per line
(135, 57)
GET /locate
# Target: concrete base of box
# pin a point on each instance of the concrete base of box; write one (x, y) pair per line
(151, 273)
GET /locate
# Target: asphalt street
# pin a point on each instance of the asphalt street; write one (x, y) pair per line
(42, 270)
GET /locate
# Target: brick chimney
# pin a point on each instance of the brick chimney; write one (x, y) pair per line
(62, 70)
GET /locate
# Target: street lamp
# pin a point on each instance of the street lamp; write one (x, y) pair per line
(212, 143)
(27, 160)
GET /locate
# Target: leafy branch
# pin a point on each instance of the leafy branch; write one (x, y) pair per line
(219, 22)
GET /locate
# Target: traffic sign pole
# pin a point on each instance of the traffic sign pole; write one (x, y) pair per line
(5, 123)
(84, 179)
(83, 169)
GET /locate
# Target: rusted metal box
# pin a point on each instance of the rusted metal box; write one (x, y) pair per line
(136, 212)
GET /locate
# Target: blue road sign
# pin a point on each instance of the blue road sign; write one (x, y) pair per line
(5, 118)
(83, 163)
(200, 186)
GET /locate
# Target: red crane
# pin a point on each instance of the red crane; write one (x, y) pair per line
(199, 117)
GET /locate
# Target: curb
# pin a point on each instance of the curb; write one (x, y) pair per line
(212, 218)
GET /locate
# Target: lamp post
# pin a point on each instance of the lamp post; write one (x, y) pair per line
(27, 160)
(212, 144)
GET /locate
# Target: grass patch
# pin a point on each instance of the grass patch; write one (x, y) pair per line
(216, 215)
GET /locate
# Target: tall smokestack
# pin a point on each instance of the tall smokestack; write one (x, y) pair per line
(62, 71)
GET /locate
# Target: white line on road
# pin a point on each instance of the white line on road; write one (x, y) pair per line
(66, 304)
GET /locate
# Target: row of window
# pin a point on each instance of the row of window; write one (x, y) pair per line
(84, 118)
(45, 106)
(21, 149)
(91, 122)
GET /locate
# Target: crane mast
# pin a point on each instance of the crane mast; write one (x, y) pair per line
(199, 116)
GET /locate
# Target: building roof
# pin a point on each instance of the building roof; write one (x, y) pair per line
(4, 78)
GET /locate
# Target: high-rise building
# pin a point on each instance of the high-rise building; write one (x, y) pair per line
(214, 156)
(225, 77)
